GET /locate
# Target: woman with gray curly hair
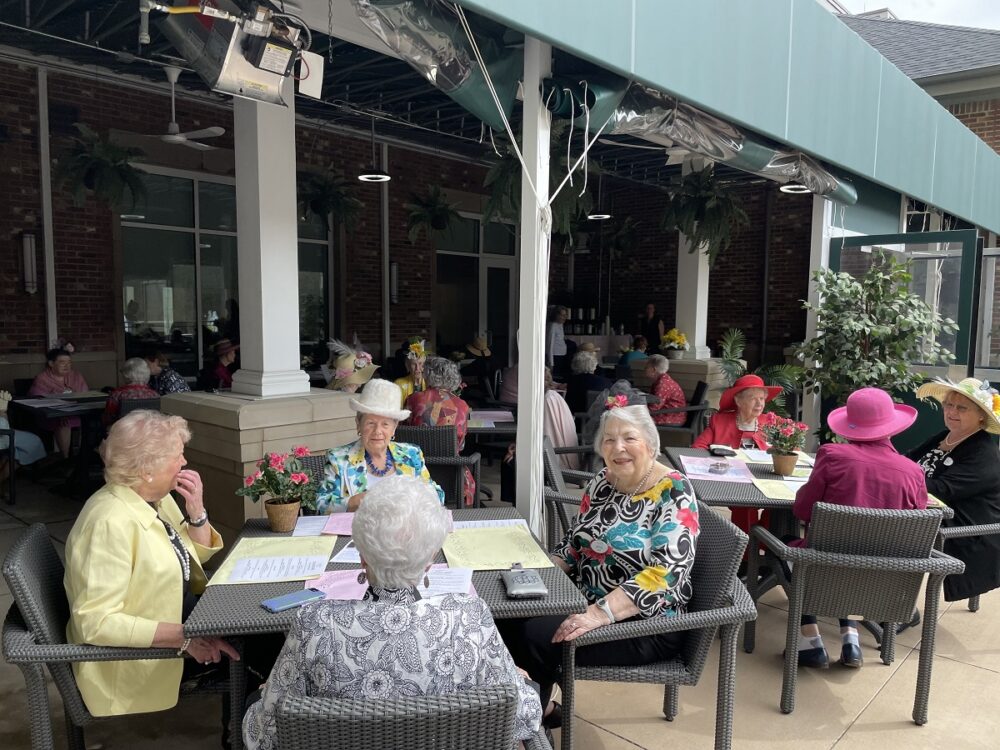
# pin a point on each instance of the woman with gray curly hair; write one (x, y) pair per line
(439, 405)
(393, 642)
(135, 373)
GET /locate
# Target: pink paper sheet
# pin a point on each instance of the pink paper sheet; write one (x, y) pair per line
(339, 524)
(343, 584)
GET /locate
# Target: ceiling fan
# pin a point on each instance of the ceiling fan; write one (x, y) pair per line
(174, 134)
(675, 154)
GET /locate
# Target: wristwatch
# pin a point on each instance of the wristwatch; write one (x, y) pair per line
(199, 522)
(602, 604)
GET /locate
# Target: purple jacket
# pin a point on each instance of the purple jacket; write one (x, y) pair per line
(862, 475)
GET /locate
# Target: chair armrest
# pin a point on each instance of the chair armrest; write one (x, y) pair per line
(577, 477)
(471, 460)
(552, 497)
(537, 741)
(740, 609)
(583, 449)
(957, 532)
(678, 410)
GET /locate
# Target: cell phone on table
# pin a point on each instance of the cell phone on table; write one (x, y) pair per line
(292, 600)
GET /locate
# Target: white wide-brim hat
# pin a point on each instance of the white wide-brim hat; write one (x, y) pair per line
(978, 392)
(382, 398)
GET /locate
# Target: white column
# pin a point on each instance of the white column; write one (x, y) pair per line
(534, 286)
(268, 250)
(819, 257)
(691, 302)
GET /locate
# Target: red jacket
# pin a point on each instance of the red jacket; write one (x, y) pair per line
(722, 430)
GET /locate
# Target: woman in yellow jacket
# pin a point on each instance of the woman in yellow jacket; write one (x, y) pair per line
(134, 567)
(413, 381)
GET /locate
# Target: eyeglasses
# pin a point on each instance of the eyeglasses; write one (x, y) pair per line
(960, 408)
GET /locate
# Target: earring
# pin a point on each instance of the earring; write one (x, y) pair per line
(149, 480)
(427, 582)
(362, 577)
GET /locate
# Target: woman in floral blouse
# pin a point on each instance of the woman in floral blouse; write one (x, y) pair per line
(630, 551)
(440, 404)
(392, 643)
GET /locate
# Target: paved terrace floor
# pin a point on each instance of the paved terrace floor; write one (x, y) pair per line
(836, 708)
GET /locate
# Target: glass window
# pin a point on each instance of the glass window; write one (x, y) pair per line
(988, 349)
(314, 310)
(159, 295)
(217, 206)
(499, 239)
(220, 309)
(456, 302)
(937, 271)
(462, 236)
(169, 202)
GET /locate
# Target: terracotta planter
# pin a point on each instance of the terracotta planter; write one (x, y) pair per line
(784, 465)
(674, 353)
(282, 516)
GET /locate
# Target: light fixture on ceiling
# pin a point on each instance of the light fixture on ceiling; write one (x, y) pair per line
(795, 188)
(599, 213)
(373, 174)
(30, 262)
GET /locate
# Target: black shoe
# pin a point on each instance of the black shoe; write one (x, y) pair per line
(914, 621)
(851, 656)
(554, 719)
(814, 658)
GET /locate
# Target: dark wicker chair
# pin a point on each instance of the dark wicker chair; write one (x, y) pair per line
(34, 637)
(440, 448)
(859, 561)
(7, 437)
(720, 601)
(316, 466)
(559, 502)
(134, 404)
(696, 410)
(479, 718)
(958, 532)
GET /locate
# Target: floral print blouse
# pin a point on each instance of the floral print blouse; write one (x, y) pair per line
(346, 475)
(391, 643)
(643, 545)
(669, 396)
(435, 407)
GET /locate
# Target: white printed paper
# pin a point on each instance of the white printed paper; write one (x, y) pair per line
(349, 555)
(446, 581)
(309, 526)
(490, 524)
(261, 569)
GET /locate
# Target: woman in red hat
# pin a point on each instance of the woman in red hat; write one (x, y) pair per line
(735, 425)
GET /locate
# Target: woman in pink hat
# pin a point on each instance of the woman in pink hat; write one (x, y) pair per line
(865, 472)
(735, 426)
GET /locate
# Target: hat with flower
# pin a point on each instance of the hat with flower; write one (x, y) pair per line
(979, 392)
(416, 348)
(349, 365)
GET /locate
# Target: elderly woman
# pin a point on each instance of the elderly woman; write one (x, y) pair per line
(220, 375)
(393, 642)
(413, 381)
(353, 469)
(440, 404)
(134, 567)
(961, 468)
(28, 447)
(631, 552)
(135, 373)
(864, 472)
(584, 379)
(668, 393)
(58, 378)
(350, 368)
(735, 425)
(162, 377)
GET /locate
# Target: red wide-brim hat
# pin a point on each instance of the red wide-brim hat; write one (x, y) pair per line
(728, 400)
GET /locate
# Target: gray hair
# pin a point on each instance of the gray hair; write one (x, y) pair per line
(658, 362)
(635, 416)
(398, 529)
(583, 362)
(135, 370)
(442, 373)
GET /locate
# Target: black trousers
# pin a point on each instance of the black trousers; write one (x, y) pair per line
(530, 643)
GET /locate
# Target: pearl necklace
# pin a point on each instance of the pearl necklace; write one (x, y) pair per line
(639, 486)
(949, 444)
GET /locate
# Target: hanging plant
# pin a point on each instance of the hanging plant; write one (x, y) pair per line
(93, 163)
(429, 213)
(625, 237)
(328, 193)
(705, 212)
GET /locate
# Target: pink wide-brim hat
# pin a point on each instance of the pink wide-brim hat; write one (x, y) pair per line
(870, 414)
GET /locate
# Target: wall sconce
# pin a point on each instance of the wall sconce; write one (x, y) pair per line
(30, 263)
(394, 283)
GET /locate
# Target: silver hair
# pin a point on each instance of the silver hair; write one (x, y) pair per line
(135, 370)
(658, 362)
(442, 373)
(636, 416)
(583, 362)
(398, 529)
(138, 444)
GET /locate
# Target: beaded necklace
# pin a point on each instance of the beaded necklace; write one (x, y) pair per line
(374, 470)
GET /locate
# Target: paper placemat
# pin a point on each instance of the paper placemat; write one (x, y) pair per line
(495, 548)
(277, 546)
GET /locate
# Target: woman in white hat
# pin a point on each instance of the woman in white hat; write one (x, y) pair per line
(962, 469)
(353, 469)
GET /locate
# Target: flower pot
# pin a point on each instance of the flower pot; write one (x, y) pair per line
(674, 353)
(784, 465)
(282, 516)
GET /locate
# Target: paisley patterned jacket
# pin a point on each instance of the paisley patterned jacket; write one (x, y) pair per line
(345, 473)
(390, 644)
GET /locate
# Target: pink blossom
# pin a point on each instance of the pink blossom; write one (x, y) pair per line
(803, 426)
(300, 451)
(276, 461)
(767, 418)
(300, 478)
(248, 482)
(787, 431)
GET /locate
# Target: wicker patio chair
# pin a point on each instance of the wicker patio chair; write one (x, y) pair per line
(696, 409)
(479, 718)
(560, 504)
(8, 452)
(134, 404)
(440, 448)
(958, 532)
(859, 561)
(316, 467)
(34, 636)
(720, 601)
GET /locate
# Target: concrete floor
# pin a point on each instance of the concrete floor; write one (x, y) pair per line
(835, 708)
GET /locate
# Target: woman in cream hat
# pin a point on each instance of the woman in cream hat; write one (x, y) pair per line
(350, 368)
(962, 469)
(351, 470)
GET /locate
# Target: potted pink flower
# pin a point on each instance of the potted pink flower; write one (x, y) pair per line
(786, 438)
(285, 485)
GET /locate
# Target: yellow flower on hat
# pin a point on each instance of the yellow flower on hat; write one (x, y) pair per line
(996, 404)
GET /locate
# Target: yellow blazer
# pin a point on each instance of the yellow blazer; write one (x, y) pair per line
(122, 579)
(408, 387)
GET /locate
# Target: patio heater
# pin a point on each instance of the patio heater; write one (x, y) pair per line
(373, 173)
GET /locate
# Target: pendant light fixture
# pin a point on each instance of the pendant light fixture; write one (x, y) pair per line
(599, 213)
(373, 174)
(794, 188)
